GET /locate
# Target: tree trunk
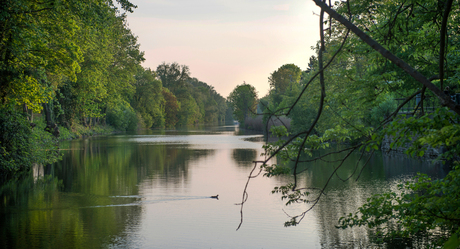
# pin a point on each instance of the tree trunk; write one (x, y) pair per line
(51, 126)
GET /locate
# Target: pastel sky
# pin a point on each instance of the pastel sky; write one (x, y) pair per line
(227, 42)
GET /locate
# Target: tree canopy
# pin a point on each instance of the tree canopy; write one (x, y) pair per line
(281, 79)
(197, 101)
(243, 100)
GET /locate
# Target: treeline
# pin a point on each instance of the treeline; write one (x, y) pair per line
(179, 99)
(78, 65)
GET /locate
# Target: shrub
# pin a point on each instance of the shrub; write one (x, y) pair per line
(15, 133)
(43, 145)
(122, 116)
(383, 110)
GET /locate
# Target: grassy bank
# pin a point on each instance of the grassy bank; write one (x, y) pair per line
(79, 131)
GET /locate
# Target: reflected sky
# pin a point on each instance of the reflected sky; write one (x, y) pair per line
(210, 141)
(152, 190)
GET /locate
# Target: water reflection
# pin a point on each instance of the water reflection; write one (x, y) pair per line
(410, 166)
(244, 157)
(349, 189)
(152, 189)
(92, 197)
(92, 172)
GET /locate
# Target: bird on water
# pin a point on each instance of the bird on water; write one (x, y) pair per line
(215, 196)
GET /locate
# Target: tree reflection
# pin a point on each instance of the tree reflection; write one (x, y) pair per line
(342, 197)
(244, 157)
(82, 200)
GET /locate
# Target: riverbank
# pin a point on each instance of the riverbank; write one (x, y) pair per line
(430, 153)
(80, 131)
(257, 123)
(24, 144)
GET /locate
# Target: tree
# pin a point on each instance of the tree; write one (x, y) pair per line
(172, 107)
(149, 100)
(243, 100)
(42, 45)
(211, 104)
(109, 59)
(199, 102)
(281, 79)
(410, 39)
(173, 76)
(37, 42)
(189, 112)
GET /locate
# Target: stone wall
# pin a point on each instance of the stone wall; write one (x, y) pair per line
(431, 153)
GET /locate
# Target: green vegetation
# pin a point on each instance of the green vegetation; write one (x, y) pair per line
(76, 65)
(22, 145)
(282, 81)
(370, 54)
(190, 100)
(243, 101)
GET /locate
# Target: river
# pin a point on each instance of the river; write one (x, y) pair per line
(152, 189)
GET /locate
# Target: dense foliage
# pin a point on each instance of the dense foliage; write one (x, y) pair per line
(243, 100)
(22, 145)
(14, 141)
(384, 71)
(197, 102)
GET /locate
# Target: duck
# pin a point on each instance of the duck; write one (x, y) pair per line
(215, 196)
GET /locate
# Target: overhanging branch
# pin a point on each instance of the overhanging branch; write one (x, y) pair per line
(445, 100)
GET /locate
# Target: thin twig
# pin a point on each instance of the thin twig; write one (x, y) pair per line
(245, 194)
(445, 17)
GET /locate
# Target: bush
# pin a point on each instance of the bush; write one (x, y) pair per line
(78, 131)
(254, 123)
(43, 145)
(386, 107)
(421, 208)
(122, 116)
(21, 145)
(65, 134)
(15, 133)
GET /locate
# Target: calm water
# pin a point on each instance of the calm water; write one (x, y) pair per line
(151, 190)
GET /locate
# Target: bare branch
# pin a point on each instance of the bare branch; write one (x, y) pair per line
(302, 215)
(364, 166)
(245, 194)
(327, 154)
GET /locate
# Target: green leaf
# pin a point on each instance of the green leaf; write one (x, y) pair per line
(453, 242)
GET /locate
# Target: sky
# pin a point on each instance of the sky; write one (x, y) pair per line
(226, 42)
